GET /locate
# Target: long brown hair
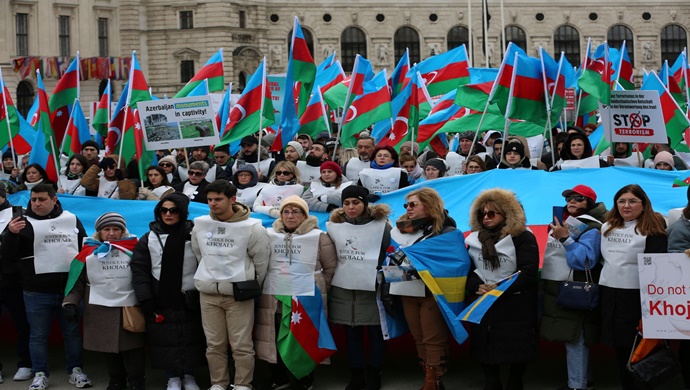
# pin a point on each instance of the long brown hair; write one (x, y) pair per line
(433, 204)
(650, 223)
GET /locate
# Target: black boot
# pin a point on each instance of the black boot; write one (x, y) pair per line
(117, 383)
(373, 379)
(356, 379)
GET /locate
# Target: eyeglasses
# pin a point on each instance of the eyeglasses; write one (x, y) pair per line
(195, 173)
(165, 165)
(631, 202)
(293, 212)
(577, 198)
(411, 205)
(283, 173)
(489, 214)
(171, 210)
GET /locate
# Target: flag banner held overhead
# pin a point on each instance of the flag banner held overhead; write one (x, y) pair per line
(635, 116)
(176, 123)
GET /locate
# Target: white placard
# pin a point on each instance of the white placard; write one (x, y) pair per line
(177, 123)
(664, 295)
(635, 116)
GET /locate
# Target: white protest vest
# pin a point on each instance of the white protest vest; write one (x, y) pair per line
(189, 263)
(292, 274)
(354, 167)
(412, 288)
(190, 190)
(358, 248)
(110, 278)
(555, 266)
(107, 188)
(635, 160)
(274, 194)
(454, 161)
(263, 166)
(55, 242)
(506, 255)
(380, 180)
(5, 218)
(589, 162)
(318, 190)
(248, 195)
(223, 248)
(211, 174)
(308, 173)
(159, 191)
(619, 251)
(72, 187)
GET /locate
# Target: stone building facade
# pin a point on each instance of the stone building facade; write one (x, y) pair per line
(173, 39)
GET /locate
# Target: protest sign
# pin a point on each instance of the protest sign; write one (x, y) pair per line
(176, 123)
(634, 116)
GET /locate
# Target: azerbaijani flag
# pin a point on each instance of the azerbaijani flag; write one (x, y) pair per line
(677, 124)
(101, 118)
(138, 87)
(329, 78)
(527, 100)
(680, 69)
(335, 96)
(253, 111)
(65, 93)
(444, 110)
(672, 85)
(596, 78)
(145, 158)
(44, 149)
(325, 64)
(314, 119)
(623, 69)
(398, 76)
(370, 106)
(475, 312)
(77, 132)
(444, 72)
(304, 339)
(9, 116)
(554, 83)
(211, 71)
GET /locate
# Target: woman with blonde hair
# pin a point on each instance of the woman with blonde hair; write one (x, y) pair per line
(499, 246)
(284, 181)
(631, 227)
(425, 217)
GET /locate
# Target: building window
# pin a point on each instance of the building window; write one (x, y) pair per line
(186, 70)
(673, 40)
(102, 37)
(25, 97)
(352, 42)
(406, 38)
(22, 28)
(186, 20)
(243, 19)
(615, 37)
(457, 36)
(567, 39)
(63, 35)
(307, 38)
(516, 35)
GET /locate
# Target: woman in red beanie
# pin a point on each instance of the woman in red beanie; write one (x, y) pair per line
(324, 194)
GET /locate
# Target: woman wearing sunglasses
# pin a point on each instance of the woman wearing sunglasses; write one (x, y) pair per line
(156, 184)
(112, 182)
(302, 263)
(169, 165)
(499, 246)
(631, 227)
(163, 267)
(284, 182)
(352, 301)
(572, 246)
(424, 217)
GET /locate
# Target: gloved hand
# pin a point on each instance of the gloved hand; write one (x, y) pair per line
(71, 314)
(144, 193)
(106, 162)
(387, 299)
(373, 198)
(331, 207)
(274, 213)
(148, 306)
(119, 175)
(398, 257)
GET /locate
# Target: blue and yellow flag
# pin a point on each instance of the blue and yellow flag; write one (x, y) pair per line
(475, 312)
(443, 263)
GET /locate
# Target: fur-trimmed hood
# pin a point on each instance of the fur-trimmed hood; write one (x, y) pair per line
(305, 227)
(376, 211)
(507, 203)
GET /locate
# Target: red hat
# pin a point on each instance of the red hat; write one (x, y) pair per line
(332, 166)
(583, 190)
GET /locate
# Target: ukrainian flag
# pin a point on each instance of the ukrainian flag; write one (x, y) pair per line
(443, 263)
(475, 312)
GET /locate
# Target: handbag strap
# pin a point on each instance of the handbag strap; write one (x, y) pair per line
(588, 273)
(632, 351)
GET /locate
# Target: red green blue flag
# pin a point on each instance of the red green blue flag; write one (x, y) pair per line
(677, 124)
(444, 72)
(596, 78)
(102, 116)
(211, 71)
(60, 103)
(77, 132)
(397, 79)
(623, 68)
(373, 104)
(329, 78)
(314, 119)
(672, 85)
(9, 116)
(44, 149)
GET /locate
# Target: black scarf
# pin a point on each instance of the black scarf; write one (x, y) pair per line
(488, 238)
(413, 225)
(170, 284)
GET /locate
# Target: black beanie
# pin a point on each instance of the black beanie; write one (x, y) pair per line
(515, 146)
(437, 163)
(358, 192)
(181, 201)
(90, 143)
(7, 154)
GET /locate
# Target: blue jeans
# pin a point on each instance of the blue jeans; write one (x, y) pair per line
(40, 309)
(577, 360)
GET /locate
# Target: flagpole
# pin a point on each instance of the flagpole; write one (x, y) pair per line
(7, 119)
(110, 99)
(508, 107)
(346, 107)
(124, 121)
(685, 76)
(78, 75)
(607, 76)
(55, 160)
(620, 61)
(261, 113)
(582, 69)
(323, 113)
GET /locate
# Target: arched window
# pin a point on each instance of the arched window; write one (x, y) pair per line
(673, 40)
(457, 36)
(243, 81)
(25, 97)
(407, 37)
(516, 35)
(352, 42)
(567, 39)
(615, 37)
(307, 37)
